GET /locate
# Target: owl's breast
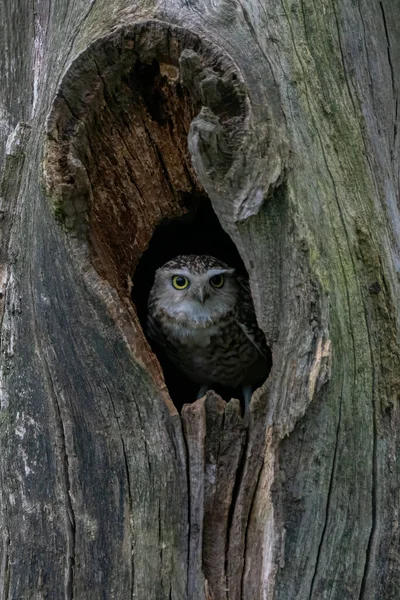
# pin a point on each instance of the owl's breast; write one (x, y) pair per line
(191, 335)
(213, 352)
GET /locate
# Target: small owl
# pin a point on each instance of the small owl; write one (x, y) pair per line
(200, 312)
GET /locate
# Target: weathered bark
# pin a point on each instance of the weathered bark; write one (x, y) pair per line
(112, 115)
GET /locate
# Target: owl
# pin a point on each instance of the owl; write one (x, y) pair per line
(201, 314)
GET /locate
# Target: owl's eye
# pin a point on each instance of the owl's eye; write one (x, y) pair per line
(179, 282)
(217, 281)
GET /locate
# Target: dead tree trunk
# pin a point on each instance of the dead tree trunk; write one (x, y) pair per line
(113, 116)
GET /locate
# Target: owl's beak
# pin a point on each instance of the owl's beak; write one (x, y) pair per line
(201, 295)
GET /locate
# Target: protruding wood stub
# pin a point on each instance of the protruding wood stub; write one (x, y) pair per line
(224, 459)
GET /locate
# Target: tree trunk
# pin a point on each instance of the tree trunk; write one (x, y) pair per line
(113, 115)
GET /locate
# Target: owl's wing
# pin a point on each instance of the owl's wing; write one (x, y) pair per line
(246, 319)
(155, 332)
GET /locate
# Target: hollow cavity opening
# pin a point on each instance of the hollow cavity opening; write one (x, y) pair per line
(118, 168)
(197, 232)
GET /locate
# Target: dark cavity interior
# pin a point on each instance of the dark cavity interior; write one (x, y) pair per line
(197, 232)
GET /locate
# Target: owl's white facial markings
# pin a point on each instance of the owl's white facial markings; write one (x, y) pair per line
(199, 304)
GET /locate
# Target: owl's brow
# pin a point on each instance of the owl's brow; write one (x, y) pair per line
(210, 272)
(182, 271)
(213, 272)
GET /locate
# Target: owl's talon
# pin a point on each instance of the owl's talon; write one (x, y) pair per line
(247, 394)
(202, 391)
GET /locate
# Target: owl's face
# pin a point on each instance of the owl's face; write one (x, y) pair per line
(194, 288)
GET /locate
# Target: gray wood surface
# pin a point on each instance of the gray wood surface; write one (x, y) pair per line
(286, 114)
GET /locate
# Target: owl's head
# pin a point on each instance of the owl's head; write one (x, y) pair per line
(194, 288)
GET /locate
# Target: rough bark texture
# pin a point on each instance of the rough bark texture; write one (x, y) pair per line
(112, 114)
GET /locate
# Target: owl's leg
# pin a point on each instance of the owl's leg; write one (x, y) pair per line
(247, 394)
(202, 391)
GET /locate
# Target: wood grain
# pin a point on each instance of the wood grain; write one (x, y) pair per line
(286, 115)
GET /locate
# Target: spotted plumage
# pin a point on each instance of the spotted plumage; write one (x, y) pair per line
(200, 312)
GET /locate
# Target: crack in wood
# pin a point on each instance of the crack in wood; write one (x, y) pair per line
(365, 38)
(130, 506)
(331, 488)
(388, 48)
(374, 491)
(61, 439)
(64, 460)
(345, 73)
(369, 557)
(193, 421)
(245, 547)
(5, 568)
(395, 93)
(234, 504)
(189, 508)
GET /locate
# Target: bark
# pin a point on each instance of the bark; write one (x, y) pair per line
(285, 115)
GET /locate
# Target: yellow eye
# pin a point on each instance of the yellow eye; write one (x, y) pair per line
(217, 281)
(179, 282)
